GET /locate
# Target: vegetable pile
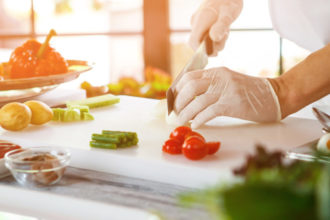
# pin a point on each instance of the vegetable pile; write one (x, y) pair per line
(155, 85)
(79, 110)
(34, 59)
(114, 139)
(72, 113)
(270, 189)
(190, 143)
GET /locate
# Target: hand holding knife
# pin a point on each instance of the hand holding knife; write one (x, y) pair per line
(198, 61)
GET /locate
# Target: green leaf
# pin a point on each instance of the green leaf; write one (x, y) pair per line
(211, 199)
(266, 201)
(323, 194)
(271, 189)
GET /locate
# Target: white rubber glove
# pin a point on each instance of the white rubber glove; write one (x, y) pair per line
(215, 17)
(205, 94)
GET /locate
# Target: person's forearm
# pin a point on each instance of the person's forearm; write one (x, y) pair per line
(305, 83)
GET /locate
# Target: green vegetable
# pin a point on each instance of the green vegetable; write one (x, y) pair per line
(72, 113)
(268, 201)
(107, 138)
(58, 114)
(116, 139)
(99, 144)
(82, 108)
(86, 116)
(129, 143)
(271, 189)
(94, 102)
(129, 135)
(323, 194)
(45, 44)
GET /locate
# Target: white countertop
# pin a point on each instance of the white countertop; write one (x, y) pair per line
(147, 161)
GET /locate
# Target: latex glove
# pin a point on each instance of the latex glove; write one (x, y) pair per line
(204, 95)
(215, 17)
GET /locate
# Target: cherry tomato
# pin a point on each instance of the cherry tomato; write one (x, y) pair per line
(194, 133)
(179, 133)
(194, 148)
(172, 146)
(6, 147)
(213, 147)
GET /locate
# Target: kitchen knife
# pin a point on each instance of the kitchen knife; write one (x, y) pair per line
(196, 62)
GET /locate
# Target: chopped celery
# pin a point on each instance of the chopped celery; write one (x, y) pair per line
(99, 144)
(58, 114)
(118, 138)
(86, 116)
(105, 138)
(82, 108)
(71, 115)
(94, 102)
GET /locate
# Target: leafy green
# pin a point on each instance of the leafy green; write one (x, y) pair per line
(272, 188)
(323, 194)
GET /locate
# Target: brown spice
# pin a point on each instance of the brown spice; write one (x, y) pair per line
(45, 162)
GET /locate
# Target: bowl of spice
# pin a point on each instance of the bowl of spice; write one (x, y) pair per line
(37, 166)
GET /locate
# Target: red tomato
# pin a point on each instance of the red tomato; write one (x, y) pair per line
(194, 133)
(172, 146)
(6, 147)
(194, 148)
(179, 133)
(213, 147)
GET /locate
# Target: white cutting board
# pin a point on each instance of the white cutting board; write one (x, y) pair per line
(147, 160)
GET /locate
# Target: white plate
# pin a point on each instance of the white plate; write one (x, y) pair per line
(76, 67)
(16, 89)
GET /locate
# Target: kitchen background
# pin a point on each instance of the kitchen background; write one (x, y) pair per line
(111, 33)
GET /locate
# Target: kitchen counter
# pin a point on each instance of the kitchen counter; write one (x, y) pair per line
(147, 162)
(113, 190)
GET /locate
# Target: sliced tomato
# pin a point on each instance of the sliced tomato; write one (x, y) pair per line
(172, 146)
(194, 148)
(213, 147)
(180, 133)
(194, 133)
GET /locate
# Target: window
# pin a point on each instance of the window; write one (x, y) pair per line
(94, 30)
(123, 36)
(253, 47)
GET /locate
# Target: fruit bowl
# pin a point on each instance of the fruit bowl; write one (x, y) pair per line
(14, 89)
(76, 67)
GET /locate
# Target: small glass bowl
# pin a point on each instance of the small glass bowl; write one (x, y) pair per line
(38, 166)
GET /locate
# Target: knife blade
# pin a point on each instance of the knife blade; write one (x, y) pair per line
(198, 61)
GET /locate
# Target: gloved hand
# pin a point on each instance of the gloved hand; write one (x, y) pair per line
(205, 94)
(215, 17)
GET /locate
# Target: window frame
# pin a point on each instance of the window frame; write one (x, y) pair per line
(155, 34)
